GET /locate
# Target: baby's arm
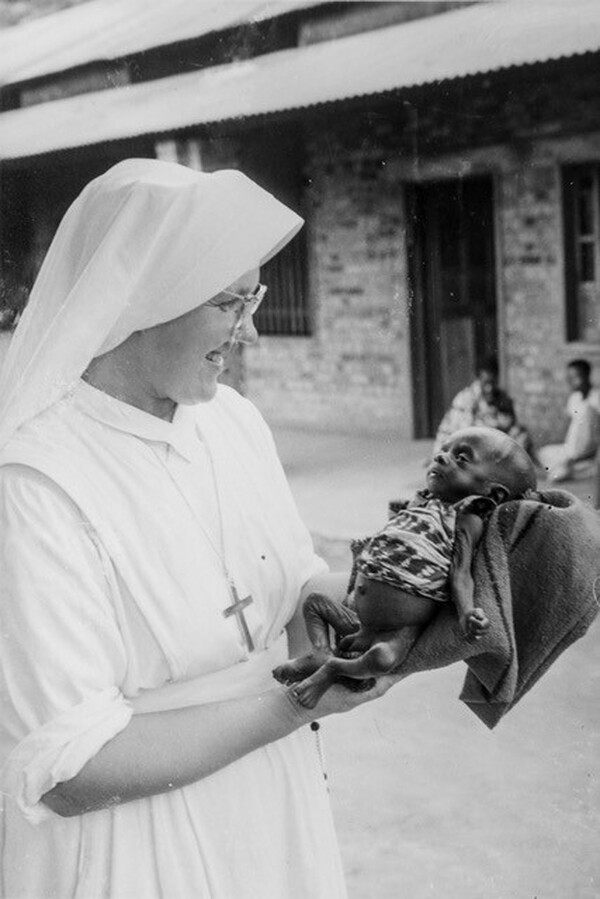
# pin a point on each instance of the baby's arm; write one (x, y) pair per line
(469, 529)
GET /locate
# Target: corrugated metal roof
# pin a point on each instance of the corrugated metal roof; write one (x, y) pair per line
(478, 39)
(110, 29)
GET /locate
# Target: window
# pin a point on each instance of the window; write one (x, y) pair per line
(581, 192)
(285, 311)
(274, 160)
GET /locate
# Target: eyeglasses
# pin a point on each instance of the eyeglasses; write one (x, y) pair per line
(248, 303)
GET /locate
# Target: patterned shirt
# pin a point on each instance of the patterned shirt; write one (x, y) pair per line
(414, 550)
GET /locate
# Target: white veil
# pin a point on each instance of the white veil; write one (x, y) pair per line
(144, 243)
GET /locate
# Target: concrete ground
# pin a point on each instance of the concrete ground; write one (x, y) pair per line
(428, 802)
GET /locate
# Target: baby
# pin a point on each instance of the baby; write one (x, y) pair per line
(421, 558)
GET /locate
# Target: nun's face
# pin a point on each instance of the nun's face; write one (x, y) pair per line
(183, 358)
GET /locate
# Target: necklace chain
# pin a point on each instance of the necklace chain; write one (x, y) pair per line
(220, 554)
(238, 603)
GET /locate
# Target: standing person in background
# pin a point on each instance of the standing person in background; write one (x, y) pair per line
(152, 562)
(483, 404)
(583, 431)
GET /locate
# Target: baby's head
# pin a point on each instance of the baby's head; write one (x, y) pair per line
(481, 462)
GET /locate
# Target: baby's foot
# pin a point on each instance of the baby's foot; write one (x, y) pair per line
(475, 623)
(297, 669)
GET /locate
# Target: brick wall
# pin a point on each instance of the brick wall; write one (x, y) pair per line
(531, 272)
(534, 350)
(532, 280)
(354, 372)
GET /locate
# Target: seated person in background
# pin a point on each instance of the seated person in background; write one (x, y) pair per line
(483, 404)
(421, 558)
(583, 433)
(8, 322)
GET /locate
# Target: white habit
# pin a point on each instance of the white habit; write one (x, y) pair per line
(113, 595)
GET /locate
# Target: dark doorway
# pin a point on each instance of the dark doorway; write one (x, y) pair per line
(452, 273)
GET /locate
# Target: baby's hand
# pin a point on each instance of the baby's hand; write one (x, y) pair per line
(475, 624)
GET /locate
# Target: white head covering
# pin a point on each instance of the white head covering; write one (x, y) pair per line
(142, 244)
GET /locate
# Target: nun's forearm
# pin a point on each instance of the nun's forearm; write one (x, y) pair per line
(162, 751)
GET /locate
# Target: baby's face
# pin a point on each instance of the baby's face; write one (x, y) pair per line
(466, 465)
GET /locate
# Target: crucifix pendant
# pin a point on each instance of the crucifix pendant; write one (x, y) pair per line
(237, 608)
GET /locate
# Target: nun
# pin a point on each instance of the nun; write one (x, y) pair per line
(153, 563)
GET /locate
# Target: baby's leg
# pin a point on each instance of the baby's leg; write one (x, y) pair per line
(320, 613)
(383, 657)
(383, 608)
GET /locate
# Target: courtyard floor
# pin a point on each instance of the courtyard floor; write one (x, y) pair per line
(428, 802)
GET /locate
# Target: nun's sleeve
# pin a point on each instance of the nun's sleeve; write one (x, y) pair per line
(62, 657)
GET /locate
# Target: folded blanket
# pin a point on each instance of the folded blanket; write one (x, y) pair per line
(537, 578)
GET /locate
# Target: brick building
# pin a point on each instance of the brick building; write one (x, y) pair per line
(446, 157)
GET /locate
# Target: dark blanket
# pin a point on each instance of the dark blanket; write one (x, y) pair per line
(537, 578)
